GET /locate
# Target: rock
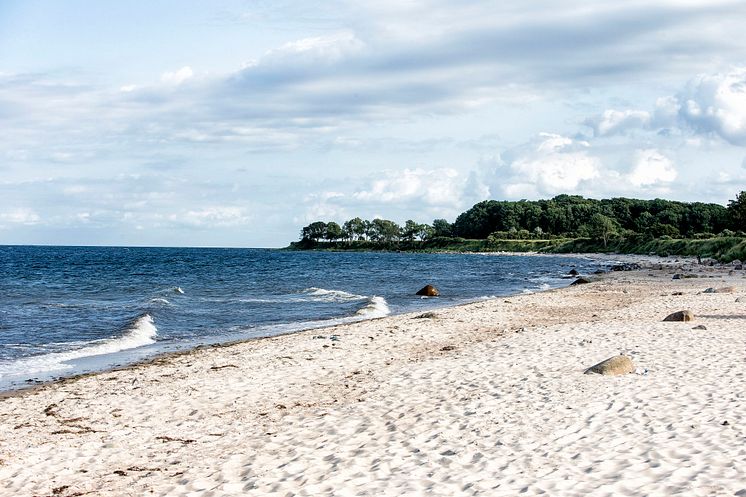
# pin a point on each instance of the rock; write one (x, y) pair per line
(685, 315)
(628, 266)
(599, 271)
(740, 299)
(738, 267)
(725, 289)
(620, 364)
(427, 315)
(428, 291)
(700, 327)
(580, 281)
(573, 272)
(676, 294)
(676, 277)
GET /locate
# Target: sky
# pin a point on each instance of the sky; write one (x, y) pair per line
(235, 123)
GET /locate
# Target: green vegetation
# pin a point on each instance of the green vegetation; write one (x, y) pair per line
(564, 224)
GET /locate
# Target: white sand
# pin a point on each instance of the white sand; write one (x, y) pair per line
(385, 411)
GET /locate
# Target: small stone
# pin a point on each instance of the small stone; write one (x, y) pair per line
(676, 277)
(725, 289)
(725, 423)
(700, 327)
(427, 315)
(685, 315)
(620, 364)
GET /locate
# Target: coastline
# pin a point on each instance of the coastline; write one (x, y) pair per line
(453, 404)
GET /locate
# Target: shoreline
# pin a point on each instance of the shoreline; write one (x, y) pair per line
(105, 364)
(422, 396)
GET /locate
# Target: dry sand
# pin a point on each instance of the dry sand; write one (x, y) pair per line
(483, 399)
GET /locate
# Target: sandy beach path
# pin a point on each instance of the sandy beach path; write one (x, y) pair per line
(483, 399)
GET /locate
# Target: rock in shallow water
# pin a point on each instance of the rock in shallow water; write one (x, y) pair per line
(620, 364)
(428, 291)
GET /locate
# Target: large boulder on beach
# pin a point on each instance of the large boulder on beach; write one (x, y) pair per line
(685, 315)
(428, 291)
(573, 272)
(620, 364)
(580, 281)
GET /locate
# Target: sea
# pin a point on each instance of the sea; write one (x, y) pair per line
(71, 310)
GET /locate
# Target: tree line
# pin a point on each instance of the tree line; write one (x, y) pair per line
(377, 230)
(564, 216)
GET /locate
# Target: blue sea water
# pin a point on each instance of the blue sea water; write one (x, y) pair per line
(66, 310)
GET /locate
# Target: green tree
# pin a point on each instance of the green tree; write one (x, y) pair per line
(314, 231)
(410, 230)
(354, 228)
(737, 212)
(425, 232)
(441, 227)
(333, 231)
(602, 227)
(385, 231)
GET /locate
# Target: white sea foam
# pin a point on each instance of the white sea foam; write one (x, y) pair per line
(178, 290)
(377, 307)
(160, 300)
(332, 295)
(142, 332)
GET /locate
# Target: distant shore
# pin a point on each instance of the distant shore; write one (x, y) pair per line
(485, 398)
(722, 249)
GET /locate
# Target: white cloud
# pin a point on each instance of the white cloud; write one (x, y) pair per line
(212, 217)
(652, 168)
(548, 165)
(717, 104)
(171, 78)
(20, 216)
(329, 48)
(418, 193)
(612, 122)
(428, 186)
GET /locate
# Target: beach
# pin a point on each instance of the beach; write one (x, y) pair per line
(488, 398)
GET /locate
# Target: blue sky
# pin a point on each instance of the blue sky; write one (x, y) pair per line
(235, 123)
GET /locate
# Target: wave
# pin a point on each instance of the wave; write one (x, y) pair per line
(332, 295)
(141, 332)
(377, 307)
(159, 300)
(178, 290)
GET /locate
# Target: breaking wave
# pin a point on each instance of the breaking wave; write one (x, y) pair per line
(377, 307)
(141, 332)
(332, 295)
